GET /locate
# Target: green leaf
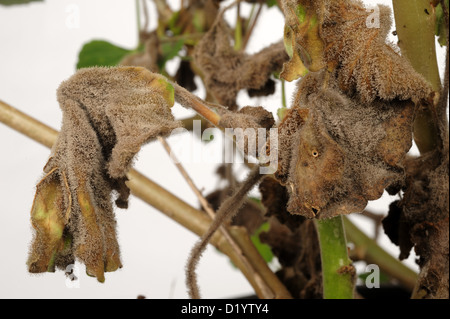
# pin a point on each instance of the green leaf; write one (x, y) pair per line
(172, 23)
(271, 3)
(440, 24)
(169, 51)
(264, 249)
(14, 2)
(100, 53)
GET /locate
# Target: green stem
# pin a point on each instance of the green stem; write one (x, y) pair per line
(283, 93)
(337, 270)
(415, 24)
(138, 19)
(238, 29)
(368, 250)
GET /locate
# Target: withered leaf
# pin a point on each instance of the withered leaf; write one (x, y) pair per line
(337, 153)
(226, 71)
(293, 239)
(367, 64)
(108, 114)
(149, 57)
(48, 219)
(301, 40)
(347, 134)
(341, 36)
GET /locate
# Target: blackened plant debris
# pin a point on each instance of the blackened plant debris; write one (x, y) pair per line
(293, 239)
(108, 114)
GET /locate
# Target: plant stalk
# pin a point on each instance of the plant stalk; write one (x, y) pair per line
(187, 99)
(337, 269)
(415, 26)
(267, 293)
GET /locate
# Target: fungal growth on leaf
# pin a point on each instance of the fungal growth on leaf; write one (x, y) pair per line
(226, 71)
(339, 35)
(344, 153)
(108, 114)
(343, 141)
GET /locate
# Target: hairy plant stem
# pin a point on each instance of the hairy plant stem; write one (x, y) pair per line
(164, 201)
(337, 269)
(415, 26)
(187, 99)
(249, 29)
(265, 290)
(138, 18)
(368, 250)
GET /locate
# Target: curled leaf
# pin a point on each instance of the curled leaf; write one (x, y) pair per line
(108, 114)
(48, 220)
(344, 141)
(301, 41)
(346, 37)
(336, 153)
(227, 71)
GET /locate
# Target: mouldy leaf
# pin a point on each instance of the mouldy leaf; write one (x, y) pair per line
(293, 240)
(301, 40)
(336, 153)
(48, 219)
(356, 46)
(108, 114)
(249, 117)
(345, 138)
(100, 53)
(342, 36)
(149, 57)
(227, 71)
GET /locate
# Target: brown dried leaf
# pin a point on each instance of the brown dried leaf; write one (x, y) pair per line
(147, 59)
(48, 220)
(337, 153)
(108, 114)
(354, 45)
(227, 71)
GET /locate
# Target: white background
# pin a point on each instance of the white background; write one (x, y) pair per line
(38, 50)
